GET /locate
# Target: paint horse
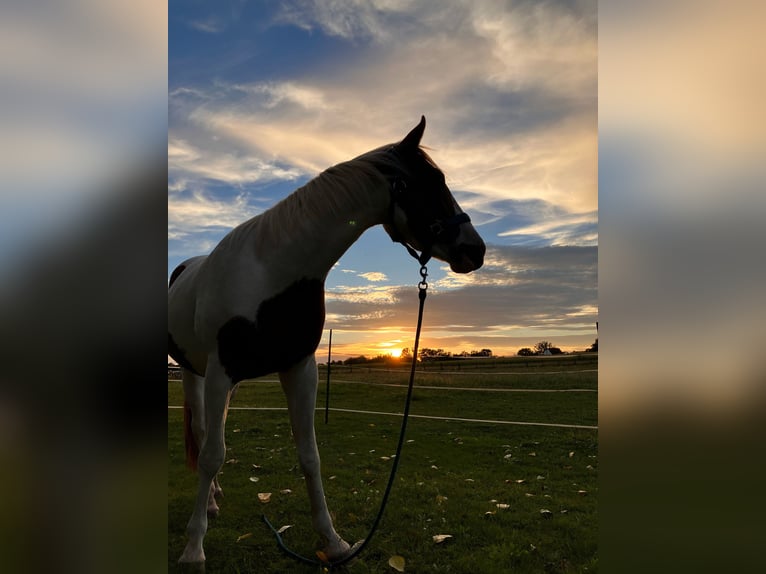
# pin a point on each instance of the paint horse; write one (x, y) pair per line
(255, 304)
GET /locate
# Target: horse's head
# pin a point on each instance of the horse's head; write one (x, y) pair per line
(424, 215)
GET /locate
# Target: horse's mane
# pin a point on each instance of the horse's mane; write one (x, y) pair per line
(336, 188)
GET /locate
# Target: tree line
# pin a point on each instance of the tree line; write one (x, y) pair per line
(424, 354)
(547, 348)
(428, 354)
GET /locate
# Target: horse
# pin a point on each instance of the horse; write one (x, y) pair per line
(255, 304)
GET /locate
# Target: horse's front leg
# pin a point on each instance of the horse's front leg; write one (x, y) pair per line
(300, 386)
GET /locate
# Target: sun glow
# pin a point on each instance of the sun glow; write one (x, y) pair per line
(396, 353)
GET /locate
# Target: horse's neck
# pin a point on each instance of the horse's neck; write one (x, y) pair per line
(311, 229)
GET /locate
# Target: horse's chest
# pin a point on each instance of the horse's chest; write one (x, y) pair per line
(286, 329)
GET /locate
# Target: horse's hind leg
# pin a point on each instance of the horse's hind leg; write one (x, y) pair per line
(300, 384)
(216, 397)
(194, 397)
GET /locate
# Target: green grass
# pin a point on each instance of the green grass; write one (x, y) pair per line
(449, 475)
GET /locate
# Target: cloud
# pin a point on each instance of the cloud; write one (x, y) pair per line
(514, 112)
(351, 20)
(209, 25)
(518, 291)
(374, 276)
(568, 229)
(188, 162)
(198, 212)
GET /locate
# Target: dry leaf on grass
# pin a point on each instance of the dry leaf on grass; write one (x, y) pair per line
(285, 527)
(264, 497)
(246, 535)
(254, 479)
(397, 563)
(503, 506)
(439, 538)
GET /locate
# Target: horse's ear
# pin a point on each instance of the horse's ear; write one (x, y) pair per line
(412, 140)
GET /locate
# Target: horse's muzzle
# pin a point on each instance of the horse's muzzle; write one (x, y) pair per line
(465, 258)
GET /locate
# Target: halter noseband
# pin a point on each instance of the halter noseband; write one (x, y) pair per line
(439, 229)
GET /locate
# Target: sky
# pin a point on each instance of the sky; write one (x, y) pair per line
(263, 96)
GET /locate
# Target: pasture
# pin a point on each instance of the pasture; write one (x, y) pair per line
(513, 497)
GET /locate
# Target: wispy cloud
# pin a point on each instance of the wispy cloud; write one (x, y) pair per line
(374, 276)
(513, 114)
(188, 162)
(197, 212)
(567, 229)
(209, 25)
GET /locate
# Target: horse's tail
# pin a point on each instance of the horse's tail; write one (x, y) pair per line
(192, 448)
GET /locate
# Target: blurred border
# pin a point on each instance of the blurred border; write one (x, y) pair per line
(681, 280)
(83, 228)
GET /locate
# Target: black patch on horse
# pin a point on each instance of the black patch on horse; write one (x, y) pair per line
(174, 275)
(287, 328)
(178, 355)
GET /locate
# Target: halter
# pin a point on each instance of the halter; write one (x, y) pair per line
(440, 229)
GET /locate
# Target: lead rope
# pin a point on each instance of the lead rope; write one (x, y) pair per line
(329, 566)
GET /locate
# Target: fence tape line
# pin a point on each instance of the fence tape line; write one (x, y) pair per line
(428, 417)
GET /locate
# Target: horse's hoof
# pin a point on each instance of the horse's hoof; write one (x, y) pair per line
(342, 551)
(192, 558)
(353, 549)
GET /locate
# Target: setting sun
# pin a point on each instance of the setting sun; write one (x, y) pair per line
(396, 353)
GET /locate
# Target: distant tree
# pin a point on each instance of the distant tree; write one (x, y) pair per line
(593, 348)
(429, 354)
(406, 354)
(356, 360)
(555, 351)
(542, 346)
(525, 352)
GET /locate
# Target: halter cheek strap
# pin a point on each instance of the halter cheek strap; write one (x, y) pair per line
(439, 229)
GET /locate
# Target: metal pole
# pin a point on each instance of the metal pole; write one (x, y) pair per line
(327, 391)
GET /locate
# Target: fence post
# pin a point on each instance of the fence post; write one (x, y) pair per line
(327, 390)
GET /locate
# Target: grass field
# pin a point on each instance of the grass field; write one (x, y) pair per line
(451, 478)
